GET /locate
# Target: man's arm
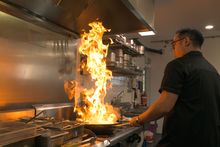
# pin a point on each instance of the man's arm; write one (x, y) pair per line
(158, 108)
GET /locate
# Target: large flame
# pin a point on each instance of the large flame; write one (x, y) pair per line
(92, 108)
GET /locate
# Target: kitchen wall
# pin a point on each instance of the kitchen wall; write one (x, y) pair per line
(126, 83)
(120, 90)
(211, 50)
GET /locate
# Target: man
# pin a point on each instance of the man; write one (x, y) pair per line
(190, 97)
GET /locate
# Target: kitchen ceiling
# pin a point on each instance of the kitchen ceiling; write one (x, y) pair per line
(171, 15)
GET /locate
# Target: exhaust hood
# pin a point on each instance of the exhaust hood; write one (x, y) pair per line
(121, 16)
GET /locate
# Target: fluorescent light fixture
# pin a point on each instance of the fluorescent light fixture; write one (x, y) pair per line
(209, 27)
(147, 33)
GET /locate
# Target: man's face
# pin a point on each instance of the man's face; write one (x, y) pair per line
(178, 46)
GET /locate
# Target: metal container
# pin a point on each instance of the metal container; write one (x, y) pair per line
(112, 57)
(29, 142)
(121, 60)
(51, 138)
(127, 61)
(126, 57)
(74, 129)
(57, 138)
(131, 41)
(12, 132)
(141, 49)
(120, 53)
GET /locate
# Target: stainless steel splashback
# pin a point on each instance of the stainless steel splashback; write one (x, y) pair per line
(33, 64)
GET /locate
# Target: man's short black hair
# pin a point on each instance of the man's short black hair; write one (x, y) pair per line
(195, 36)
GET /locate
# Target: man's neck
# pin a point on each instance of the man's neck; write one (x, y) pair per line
(192, 49)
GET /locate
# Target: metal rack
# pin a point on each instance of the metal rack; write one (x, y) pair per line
(125, 47)
(117, 71)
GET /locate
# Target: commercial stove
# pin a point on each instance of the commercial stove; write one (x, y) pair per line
(59, 133)
(72, 133)
(49, 128)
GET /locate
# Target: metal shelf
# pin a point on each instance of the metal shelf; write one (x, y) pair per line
(118, 71)
(127, 49)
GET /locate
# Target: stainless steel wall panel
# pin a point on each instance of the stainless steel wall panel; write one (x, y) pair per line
(34, 62)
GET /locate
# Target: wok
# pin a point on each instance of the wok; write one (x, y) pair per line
(104, 129)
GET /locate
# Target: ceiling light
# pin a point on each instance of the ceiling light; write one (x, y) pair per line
(209, 27)
(147, 33)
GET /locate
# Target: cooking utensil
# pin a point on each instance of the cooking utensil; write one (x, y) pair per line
(104, 129)
(88, 138)
(101, 129)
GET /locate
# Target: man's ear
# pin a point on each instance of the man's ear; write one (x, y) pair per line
(187, 41)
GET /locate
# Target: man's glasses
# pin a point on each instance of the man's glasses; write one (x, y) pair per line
(175, 41)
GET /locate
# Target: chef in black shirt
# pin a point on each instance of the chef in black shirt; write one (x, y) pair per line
(190, 97)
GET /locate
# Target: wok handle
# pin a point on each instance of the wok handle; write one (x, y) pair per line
(123, 124)
(89, 140)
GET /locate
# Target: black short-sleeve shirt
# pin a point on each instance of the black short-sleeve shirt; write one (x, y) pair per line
(195, 118)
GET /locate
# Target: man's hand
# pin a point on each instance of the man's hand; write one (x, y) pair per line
(135, 121)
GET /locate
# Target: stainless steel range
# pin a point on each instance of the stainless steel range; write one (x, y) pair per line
(48, 128)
